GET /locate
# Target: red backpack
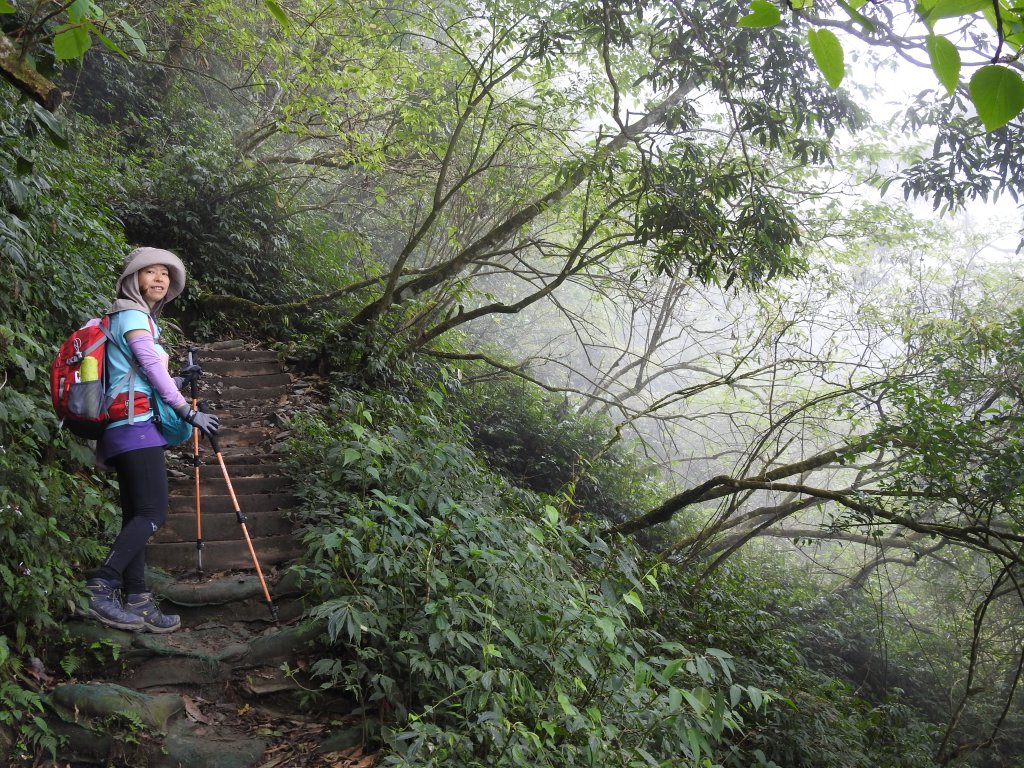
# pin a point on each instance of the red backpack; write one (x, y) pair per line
(78, 383)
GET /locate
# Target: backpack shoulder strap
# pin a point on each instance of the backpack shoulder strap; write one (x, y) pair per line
(133, 370)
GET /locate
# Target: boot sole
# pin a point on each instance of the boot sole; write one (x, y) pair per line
(161, 630)
(115, 624)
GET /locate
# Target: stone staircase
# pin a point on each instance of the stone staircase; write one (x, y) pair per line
(248, 388)
(228, 690)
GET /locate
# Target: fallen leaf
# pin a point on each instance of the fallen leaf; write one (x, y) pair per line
(193, 712)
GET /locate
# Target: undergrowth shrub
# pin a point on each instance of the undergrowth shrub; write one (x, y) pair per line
(538, 441)
(60, 251)
(484, 628)
(765, 614)
(111, 89)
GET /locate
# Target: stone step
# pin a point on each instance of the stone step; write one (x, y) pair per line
(221, 526)
(245, 394)
(239, 367)
(225, 344)
(182, 460)
(220, 590)
(254, 381)
(210, 466)
(238, 454)
(260, 502)
(224, 555)
(233, 457)
(207, 354)
(251, 610)
(231, 450)
(211, 482)
(235, 426)
(173, 672)
(230, 435)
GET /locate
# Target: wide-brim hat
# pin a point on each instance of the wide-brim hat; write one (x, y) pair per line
(141, 258)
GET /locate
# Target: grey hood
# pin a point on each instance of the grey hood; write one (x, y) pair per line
(128, 294)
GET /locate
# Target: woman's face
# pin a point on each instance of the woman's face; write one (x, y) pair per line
(153, 283)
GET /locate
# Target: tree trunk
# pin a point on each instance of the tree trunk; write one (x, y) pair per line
(15, 69)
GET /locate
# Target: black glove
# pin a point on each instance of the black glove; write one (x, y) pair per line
(189, 373)
(207, 423)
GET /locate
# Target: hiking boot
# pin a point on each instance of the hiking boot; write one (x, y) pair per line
(143, 605)
(106, 608)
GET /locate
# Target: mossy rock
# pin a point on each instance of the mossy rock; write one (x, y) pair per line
(185, 747)
(98, 704)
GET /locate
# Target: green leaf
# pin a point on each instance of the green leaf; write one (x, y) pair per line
(762, 14)
(606, 626)
(133, 35)
(756, 697)
(492, 651)
(694, 739)
(78, 10)
(71, 43)
(632, 598)
(567, 706)
(673, 667)
(998, 95)
(675, 698)
(697, 701)
(587, 665)
(278, 13)
(6, 7)
(107, 42)
(857, 16)
(17, 190)
(828, 55)
(735, 695)
(945, 59)
(53, 126)
(932, 10)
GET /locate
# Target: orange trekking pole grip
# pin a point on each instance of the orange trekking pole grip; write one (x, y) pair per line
(240, 516)
(196, 463)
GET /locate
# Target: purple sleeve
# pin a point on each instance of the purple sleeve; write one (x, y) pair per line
(153, 368)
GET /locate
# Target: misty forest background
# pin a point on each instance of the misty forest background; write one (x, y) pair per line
(676, 408)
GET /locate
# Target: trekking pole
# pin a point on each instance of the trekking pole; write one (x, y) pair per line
(193, 353)
(240, 516)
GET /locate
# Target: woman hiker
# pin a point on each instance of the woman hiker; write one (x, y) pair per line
(132, 443)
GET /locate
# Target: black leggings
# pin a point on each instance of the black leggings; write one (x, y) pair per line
(142, 477)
